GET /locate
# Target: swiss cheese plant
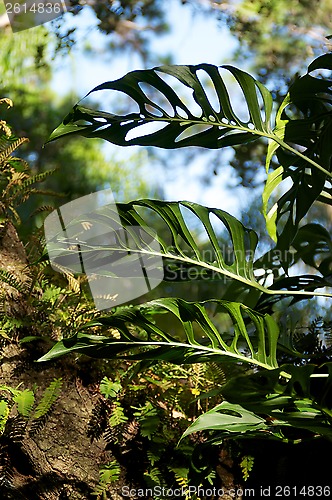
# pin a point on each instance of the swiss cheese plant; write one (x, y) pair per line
(182, 106)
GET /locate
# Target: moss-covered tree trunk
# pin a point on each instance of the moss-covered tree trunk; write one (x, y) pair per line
(59, 461)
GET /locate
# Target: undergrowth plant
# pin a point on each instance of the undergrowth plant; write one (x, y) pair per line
(55, 304)
(273, 397)
(20, 416)
(142, 412)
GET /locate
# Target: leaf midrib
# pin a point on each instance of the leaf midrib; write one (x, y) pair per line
(219, 270)
(261, 133)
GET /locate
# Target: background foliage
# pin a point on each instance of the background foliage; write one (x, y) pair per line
(278, 383)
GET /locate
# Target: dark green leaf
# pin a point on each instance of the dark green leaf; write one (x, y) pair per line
(200, 340)
(216, 126)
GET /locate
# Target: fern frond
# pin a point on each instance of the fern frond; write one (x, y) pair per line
(6, 151)
(215, 373)
(42, 209)
(36, 178)
(154, 476)
(153, 457)
(15, 215)
(112, 434)
(117, 417)
(181, 476)
(148, 419)
(98, 422)
(130, 431)
(108, 388)
(44, 407)
(11, 280)
(6, 473)
(5, 128)
(24, 402)
(73, 283)
(247, 464)
(4, 414)
(16, 429)
(109, 473)
(15, 181)
(51, 394)
(6, 100)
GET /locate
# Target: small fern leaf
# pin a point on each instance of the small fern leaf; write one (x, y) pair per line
(99, 420)
(73, 283)
(24, 402)
(11, 280)
(11, 147)
(109, 474)
(41, 209)
(181, 477)
(49, 397)
(246, 464)
(108, 388)
(153, 477)
(4, 414)
(153, 457)
(148, 419)
(118, 417)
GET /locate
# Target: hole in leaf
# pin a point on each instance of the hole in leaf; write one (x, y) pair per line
(209, 89)
(153, 111)
(232, 413)
(99, 119)
(322, 74)
(104, 127)
(82, 123)
(156, 96)
(127, 122)
(184, 93)
(192, 131)
(144, 130)
(238, 102)
(181, 112)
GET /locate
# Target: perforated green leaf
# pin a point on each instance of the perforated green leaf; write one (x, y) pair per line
(217, 124)
(254, 337)
(268, 403)
(180, 242)
(304, 151)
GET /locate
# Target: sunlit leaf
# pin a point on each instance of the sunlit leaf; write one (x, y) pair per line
(200, 339)
(218, 126)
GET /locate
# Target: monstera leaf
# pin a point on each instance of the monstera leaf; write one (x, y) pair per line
(207, 118)
(254, 337)
(189, 244)
(304, 121)
(272, 402)
(313, 245)
(210, 125)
